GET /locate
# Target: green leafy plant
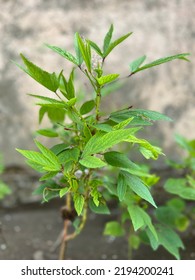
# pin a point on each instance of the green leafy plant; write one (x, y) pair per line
(184, 185)
(89, 163)
(4, 189)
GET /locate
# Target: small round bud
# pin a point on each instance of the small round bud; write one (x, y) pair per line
(78, 174)
(86, 171)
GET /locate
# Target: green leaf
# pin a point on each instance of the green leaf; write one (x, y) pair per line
(145, 114)
(78, 203)
(121, 160)
(63, 53)
(4, 190)
(113, 228)
(100, 209)
(170, 240)
(64, 191)
(102, 141)
(57, 149)
(136, 63)
(77, 49)
(50, 101)
(48, 132)
(48, 80)
(49, 154)
(140, 218)
(161, 61)
(70, 154)
(137, 186)
(85, 51)
(92, 162)
(107, 39)
(87, 107)
(107, 79)
(122, 124)
(121, 187)
(95, 47)
(35, 166)
(116, 43)
(48, 175)
(179, 187)
(37, 158)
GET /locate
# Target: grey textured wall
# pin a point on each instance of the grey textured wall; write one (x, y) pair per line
(160, 28)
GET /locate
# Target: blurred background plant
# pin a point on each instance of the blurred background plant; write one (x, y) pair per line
(4, 189)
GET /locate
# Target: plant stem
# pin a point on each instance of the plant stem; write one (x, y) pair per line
(63, 246)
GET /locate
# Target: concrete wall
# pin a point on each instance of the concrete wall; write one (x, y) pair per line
(159, 28)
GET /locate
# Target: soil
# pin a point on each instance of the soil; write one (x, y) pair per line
(30, 230)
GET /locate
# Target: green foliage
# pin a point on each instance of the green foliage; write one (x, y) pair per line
(89, 165)
(4, 189)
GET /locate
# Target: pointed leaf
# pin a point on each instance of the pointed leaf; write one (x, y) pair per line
(48, 80)
(162, 60)
(79, 203)
(96, 48)
(107, 79)
(77, 49)
(140, 218)
(49, 154)
(121, 187)
(116, 43)
(92, 162)
(136, 63)
(137, 186)
(102, 141)
(63, 53)
(108, 38)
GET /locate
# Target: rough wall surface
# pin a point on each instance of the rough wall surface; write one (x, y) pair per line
(159, 28)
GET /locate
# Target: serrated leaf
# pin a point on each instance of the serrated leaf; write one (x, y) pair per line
(137, 186)
(78, 203)
(63, 53)
(108, 38)
(48, 132)
(121, 187)
(37, 158)
(35, 166)
(137, 63)
(123, 124)
(107, 79)
(162, 60)
(140, 218)
(49, 154)
(92, 162)
(102, 141)
(71, 154)
(113, 228)
(100, 209)
(48, 80)
(116, 43)
(87, 107)
(145, 114)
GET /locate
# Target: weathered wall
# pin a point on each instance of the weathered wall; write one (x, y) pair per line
(160, 28)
